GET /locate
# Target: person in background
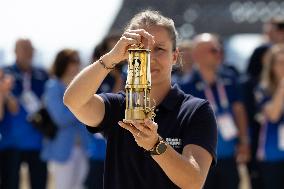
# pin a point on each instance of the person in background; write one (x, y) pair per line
(221, 92)
(97, 144)
(25, 141)
(270, 99)
(114, 81)
(8, 105)
(183, 71)
(177, 149)
(274, 32)
(6, 98)
(66, 154)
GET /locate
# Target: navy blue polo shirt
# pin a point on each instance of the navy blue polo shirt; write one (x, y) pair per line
(107, 85)
(97, 144)
(182, 119)
(6, 139)
(196, 86)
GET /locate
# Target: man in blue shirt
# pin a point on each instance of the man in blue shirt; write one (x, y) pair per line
(26, 141)
(8, 103)
(221, 91)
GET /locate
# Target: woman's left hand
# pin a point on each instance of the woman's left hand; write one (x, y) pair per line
(145, 134)
(243, 153)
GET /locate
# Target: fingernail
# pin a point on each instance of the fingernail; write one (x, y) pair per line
(119, 123)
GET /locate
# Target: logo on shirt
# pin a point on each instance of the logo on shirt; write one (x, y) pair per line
(174, 142)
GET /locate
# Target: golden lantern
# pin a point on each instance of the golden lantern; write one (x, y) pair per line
(138, 85)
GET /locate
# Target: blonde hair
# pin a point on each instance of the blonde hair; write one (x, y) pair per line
(148, 18)
(268, 78)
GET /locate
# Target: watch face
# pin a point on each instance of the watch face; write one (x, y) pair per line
(161, 148)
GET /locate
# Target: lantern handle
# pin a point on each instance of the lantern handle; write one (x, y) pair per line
(150, 111)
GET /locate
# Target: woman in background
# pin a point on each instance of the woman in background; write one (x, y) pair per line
(97, 145)
(270, 98)
(66, 153)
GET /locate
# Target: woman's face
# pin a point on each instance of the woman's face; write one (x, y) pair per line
(162, 55)
(73, 67)
(278, 67)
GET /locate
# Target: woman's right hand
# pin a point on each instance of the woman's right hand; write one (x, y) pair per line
(129, 37)
(281, 87)
(6, 83)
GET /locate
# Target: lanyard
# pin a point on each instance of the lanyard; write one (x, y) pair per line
(221, 94)
(27, 82)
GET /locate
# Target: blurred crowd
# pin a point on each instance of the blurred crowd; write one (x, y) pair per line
(249, 109)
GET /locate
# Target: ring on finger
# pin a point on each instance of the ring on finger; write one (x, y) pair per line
(138, 134)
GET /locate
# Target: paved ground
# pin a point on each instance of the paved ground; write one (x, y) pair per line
(25, 179)
(245, 184)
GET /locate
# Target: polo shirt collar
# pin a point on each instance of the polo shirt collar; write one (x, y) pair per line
(18, 70)
(199, 83)
(174, 96)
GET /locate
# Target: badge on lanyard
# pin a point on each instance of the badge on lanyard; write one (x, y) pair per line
(225, 121)
(227, 127)
(28, 99)
(281, 137)
(30, 102)
(98, 136)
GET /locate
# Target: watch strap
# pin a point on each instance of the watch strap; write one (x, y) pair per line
(154, 150)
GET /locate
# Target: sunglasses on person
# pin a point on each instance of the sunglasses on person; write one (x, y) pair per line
(214, 50)
(280, 26)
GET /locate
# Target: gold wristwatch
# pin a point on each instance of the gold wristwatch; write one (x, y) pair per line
(159, 148)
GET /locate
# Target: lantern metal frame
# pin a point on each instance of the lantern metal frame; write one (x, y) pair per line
(138, 86)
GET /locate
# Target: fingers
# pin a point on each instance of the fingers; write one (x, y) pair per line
(8, 79)
(133, 130)
(142, 130)
(243, 154)
(143, 135)
(141, 127)
(133, 36)
(151, 125)
(128, 41)
(136, 128)
(140, 35)
(1, 74)
(128, 127)
(6, 82)
(146, 35)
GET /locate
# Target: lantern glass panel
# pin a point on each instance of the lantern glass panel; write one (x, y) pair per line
(138, 99)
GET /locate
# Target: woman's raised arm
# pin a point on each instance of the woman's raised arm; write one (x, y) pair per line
(80, 96)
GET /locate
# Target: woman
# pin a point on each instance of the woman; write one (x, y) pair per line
(97, 145)
(66, 153)
(270, 97)
(187, 124)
